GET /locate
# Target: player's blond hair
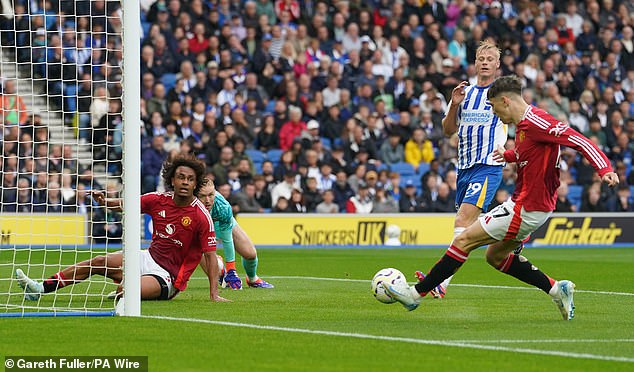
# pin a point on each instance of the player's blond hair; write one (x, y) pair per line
(488, 45)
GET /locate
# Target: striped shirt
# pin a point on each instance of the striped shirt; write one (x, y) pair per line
(479, 130)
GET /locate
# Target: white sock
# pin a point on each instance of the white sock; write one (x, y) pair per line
(415, 293)
(554, 290)
(456, 231)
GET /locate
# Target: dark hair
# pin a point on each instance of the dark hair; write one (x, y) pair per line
(183, 160)
(505, 84)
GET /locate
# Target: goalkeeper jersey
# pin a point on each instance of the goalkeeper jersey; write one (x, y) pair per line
(221, 213)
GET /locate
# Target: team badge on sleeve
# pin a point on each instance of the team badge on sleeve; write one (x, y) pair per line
(186, 221)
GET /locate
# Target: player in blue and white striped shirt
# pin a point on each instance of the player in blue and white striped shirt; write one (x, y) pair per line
(480, 132)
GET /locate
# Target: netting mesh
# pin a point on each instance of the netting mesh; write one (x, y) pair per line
(61, 129)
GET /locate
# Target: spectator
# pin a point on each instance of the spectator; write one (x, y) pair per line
(591, 199)
(297, 203)
(246, 200)
(383, 202)
(408, 202)
(12, 108)
(281, 206)
(152, 160)
(622, 201)
(419, 149)
(327, 205)
(292, 128)
(392, 150)
(361, 203)
(445, 202)
(262, 194)
(284, 188)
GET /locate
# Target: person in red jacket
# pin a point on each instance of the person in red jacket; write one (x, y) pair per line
(538, 138)
(292, 128)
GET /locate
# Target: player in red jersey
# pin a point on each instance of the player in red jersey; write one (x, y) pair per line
(183, 233)
(538, 137)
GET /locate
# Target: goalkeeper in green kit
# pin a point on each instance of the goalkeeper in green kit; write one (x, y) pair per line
(233, 238)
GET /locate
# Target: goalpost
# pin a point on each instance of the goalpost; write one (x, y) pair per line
(69, 123)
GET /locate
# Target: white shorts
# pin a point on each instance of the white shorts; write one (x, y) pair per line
(150, 267)
(506, 222)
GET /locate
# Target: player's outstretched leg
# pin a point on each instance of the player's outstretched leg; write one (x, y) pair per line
(521, 268)
(245, 247)
(108, 266)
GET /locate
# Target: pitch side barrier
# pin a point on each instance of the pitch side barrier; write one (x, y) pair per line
(281, 230)
(411, 230)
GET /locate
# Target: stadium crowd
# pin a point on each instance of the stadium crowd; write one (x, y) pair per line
(313, 105)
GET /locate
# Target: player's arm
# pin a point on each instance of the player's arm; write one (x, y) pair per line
(211, 261)
(115, 204)
(450, 121)
(564, 135)
(502, 155)
(208, 242)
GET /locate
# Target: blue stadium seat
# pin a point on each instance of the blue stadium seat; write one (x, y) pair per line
(258, 167)
(169, 80)
(404, 169)
(423, 168)
(274, 155)
(145, 26)
(256, 156)
(574, 195)
(327, 143)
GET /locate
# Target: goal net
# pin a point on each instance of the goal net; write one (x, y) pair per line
(62, 135)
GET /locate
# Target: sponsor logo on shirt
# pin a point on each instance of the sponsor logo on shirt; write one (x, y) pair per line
(162, 213)
(558, 129)
(170, 229)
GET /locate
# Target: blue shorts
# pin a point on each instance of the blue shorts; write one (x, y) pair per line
(477, 185)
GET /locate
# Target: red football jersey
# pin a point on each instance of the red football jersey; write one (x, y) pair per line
(537, 139)
(181, 234)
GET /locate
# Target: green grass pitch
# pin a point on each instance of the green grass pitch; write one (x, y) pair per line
(488, 321)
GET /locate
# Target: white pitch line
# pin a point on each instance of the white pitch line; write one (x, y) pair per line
(560, 341)
(456, 284)
(459, 344)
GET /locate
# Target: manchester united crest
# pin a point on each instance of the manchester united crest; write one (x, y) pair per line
(521, 136)
(186, 221)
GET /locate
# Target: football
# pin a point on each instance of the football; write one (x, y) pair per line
(390, 276)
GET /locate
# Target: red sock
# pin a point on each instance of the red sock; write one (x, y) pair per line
(55, 282)
(443, 269)
(230, 265)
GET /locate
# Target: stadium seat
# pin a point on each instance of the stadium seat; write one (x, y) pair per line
(574, 195)
(327, 143)
(257, 167)
(404, 169)
(423, 168)
(256, 156)
(145, 26)
(169, 80)
(274, 155)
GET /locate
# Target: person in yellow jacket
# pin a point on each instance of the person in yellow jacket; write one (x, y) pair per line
(419, 149)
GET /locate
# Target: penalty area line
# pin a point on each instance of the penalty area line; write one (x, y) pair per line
(459, 344)
(453, 285)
